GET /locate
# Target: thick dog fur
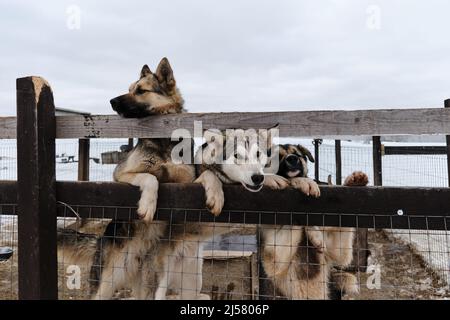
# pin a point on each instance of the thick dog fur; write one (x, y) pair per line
(159, 261)
(297, 260)
(156, 260)
(217, 165)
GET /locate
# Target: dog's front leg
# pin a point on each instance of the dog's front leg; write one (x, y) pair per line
(213, 191)
(339, 245)
(148, 184)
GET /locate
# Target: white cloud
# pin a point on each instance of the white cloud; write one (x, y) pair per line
(252, 55)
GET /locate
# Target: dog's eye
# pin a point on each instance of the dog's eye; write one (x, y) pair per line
(140, 91)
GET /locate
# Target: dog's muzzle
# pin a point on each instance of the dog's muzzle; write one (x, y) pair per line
(114, 104)
(258, 182)
(118, 103)
(293, 166)
(292, 161)
(126, 107)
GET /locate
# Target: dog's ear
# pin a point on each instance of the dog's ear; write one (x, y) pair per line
(269, 135)
(145, 71)
(164, 74)
(305, 152)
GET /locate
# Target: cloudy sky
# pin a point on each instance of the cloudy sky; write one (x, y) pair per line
(233, 55)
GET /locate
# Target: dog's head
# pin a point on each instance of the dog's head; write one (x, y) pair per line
(294, 161)
(153, 93)
(239, 156)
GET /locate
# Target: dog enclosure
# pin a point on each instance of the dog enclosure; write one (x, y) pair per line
(401, 246)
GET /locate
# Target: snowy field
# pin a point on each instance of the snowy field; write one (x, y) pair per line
(410, 170)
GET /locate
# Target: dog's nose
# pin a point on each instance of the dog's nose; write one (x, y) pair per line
(114, 103)
(292, 160)
(257, 179)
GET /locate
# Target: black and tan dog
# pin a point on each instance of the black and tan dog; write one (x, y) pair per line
(152, 258)
(297, 260)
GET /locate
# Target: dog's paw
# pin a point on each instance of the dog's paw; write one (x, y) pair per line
(214, 199)
(307, 186)
(357, 178)
(276, 182)
(345, 282)
(213, 191)
(147, 206)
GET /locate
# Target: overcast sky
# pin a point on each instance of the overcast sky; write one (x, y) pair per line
(233, 55)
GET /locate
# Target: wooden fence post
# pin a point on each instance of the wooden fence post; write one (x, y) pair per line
(36, 130)
(447, 105)
(317, 143)
(83, 159)
(130, 143)
(377, 162)
(338, 155)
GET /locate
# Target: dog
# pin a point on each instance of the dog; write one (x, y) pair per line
(156, 260)
(223, 159)
(296, 260)
(289, 252)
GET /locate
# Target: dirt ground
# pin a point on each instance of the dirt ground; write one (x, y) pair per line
(403, 275)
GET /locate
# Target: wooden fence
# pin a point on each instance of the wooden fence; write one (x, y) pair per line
(36, 192)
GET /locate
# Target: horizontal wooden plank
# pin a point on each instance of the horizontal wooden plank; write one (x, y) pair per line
(291, 124)
(414, 150)
(8, 127)
(423, 208)
(8, 192)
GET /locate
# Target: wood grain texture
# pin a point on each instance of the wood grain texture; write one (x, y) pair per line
(338, 161)
(8, 127)
(83, 159)
(447, 140)
(363, 207)
(36, 188)
(414, 150)
(377, 160)
(291, 124)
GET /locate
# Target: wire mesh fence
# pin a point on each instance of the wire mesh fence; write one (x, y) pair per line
(397, 170)
(8, 252)
(8, 159)
(237, 261)
(66, 159)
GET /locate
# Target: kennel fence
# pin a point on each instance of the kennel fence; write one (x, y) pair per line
(412, 211)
